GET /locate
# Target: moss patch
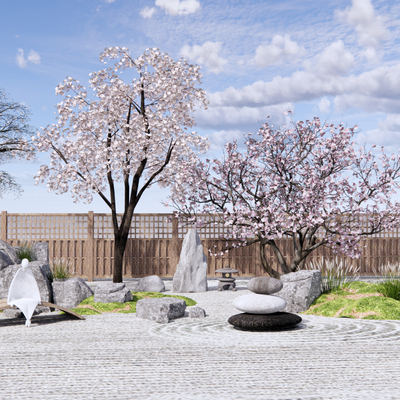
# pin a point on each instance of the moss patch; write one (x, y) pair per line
(356, 300)
(89, 307)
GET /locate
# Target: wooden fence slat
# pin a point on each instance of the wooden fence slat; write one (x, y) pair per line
(154, 245)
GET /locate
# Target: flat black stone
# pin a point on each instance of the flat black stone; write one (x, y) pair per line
(264, 322)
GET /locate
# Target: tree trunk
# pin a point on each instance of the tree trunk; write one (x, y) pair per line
(268, 269)
(119, 251)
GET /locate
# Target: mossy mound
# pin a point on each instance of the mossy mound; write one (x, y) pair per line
(89, 307)
(359, 300)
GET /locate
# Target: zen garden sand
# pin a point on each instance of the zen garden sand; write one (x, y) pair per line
(114, 355)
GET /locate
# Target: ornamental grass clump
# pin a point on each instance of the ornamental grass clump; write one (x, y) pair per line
(389, 285)
(60, 269)
(334, 274)
(27, 251)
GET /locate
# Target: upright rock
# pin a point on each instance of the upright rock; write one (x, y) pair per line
(300, 289)
(191, 272)
(151, 283)
(70, 292)
(41, 250)
(8, 255)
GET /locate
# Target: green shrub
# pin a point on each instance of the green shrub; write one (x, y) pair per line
(26, 251)
(389, 285)
(334, 274)
(60, 270)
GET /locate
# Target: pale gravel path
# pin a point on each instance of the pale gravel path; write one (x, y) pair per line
(117, 356)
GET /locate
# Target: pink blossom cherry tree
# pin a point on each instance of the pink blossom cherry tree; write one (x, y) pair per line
(134, 131)
(288, 182)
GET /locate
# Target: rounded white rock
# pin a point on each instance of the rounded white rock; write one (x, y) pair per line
(259, 303)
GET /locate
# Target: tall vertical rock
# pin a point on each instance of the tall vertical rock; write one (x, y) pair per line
(191, 272)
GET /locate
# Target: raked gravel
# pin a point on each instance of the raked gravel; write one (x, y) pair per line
(119, 356)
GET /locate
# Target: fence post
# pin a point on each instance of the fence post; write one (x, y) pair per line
(4, 226)
(175, 245)
(90, 261)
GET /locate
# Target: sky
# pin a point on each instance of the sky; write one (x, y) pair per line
(338, 60)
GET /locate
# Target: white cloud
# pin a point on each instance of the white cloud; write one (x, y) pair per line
(34, 57)
(219, 139)
(109, 1)
(370, 27)
(280, 49)
(335, 60)
(147, 12)
(372, 91)
(241, 117)
(179, 7)
(324, 105)
(206, 54)
(20, 59)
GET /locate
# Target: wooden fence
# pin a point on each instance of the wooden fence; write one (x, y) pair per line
(154, 244)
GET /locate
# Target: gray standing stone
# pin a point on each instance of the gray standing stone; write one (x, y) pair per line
(40, 271)
(300, 289)
(264, 285)
(8, 255)
(160, 310)
(191, 272)
(151, 283)
(196, 312)
(70, 292)
(41, 250)
(110, 292)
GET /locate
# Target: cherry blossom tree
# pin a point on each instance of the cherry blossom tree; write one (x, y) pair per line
(288, 182)
(14, 126)
(134, 132)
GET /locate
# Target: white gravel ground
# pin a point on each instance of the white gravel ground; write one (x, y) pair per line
(118, 356)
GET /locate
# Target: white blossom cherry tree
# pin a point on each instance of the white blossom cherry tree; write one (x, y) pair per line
(287, 182)
(135, 132)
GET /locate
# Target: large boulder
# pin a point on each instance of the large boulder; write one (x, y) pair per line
(160, 310)
(70, 292)
(191, 272)
(300, 289)
(110, 292)
(8, 255)
(41, 272)
(41, 250)
(151, 283)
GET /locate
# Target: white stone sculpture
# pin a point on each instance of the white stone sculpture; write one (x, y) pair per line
(24, 292)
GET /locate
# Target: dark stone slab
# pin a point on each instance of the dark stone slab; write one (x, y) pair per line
(264, 322)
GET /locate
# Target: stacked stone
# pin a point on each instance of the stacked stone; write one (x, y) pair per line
(262, 311)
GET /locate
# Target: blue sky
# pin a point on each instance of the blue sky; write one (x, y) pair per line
(336, 59)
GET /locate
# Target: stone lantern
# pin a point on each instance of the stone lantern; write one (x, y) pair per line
(227, 281)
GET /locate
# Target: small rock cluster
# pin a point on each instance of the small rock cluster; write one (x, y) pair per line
(110, 292)
(262, 310)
